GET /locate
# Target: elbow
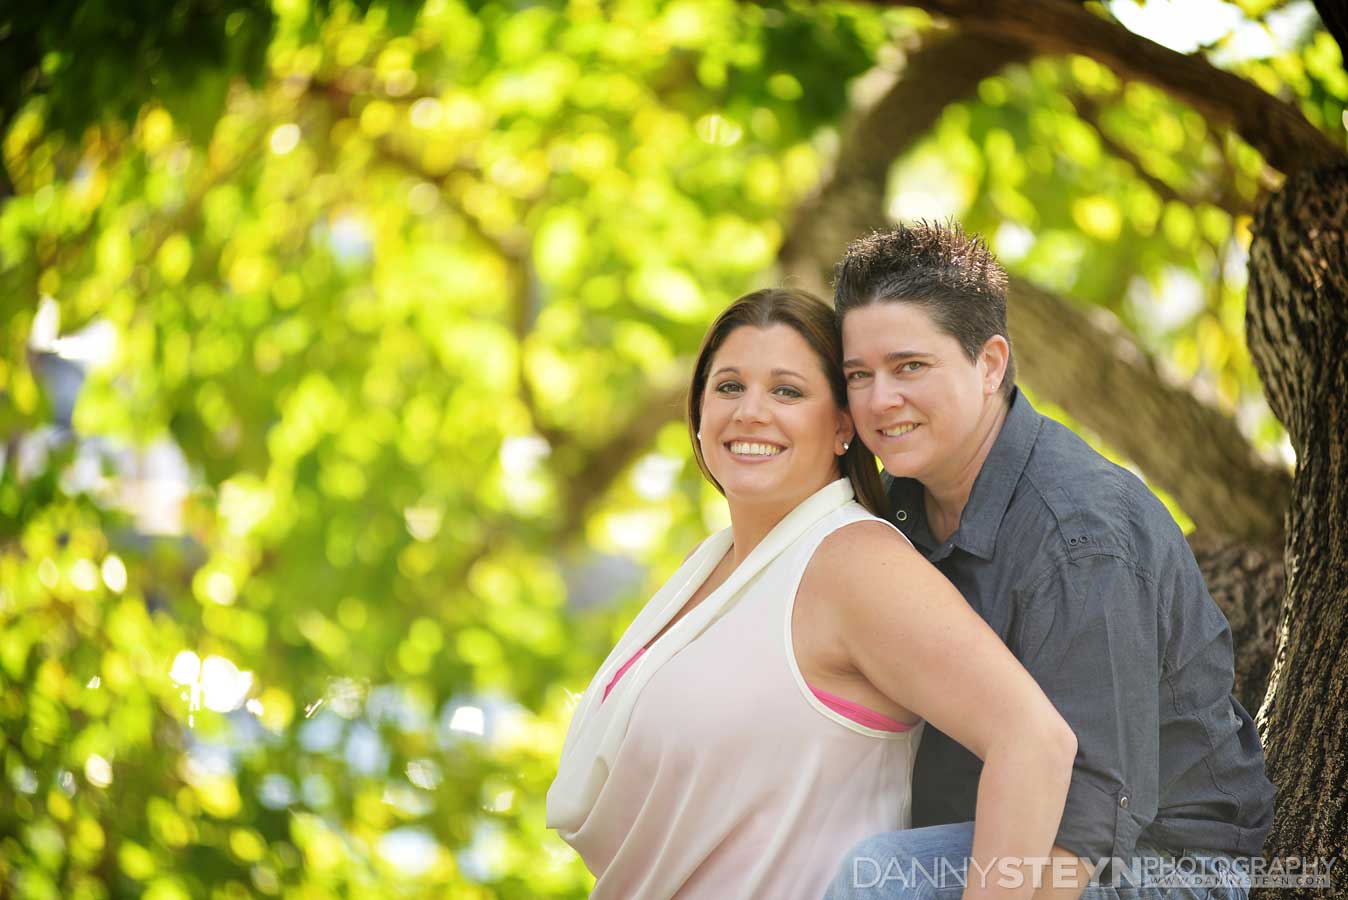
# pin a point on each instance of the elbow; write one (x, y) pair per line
(1050, 747)
(1063, 741)
(1058, 743)
(1043, 743)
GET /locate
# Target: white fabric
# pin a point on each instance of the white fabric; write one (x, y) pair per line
(712, 770)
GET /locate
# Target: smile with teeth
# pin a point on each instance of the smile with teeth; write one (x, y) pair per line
(747, 448)
(899, 430)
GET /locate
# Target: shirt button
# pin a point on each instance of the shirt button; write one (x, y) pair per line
(1123, 802)
(901, 515)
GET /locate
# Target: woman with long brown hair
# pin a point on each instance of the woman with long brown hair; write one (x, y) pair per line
(761, 714)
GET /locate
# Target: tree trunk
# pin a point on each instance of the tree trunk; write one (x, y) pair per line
(1297, 325)
(1247, 581)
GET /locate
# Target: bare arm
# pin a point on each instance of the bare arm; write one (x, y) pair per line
(907, 630)
(1067, 877)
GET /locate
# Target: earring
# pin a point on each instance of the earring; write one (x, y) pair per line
(699, 435)
(846, 444)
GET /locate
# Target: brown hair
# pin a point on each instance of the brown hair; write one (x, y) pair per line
(815, 321)
(952, 276)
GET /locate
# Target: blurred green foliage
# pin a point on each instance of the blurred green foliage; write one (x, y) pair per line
(378, 443)
(99, 60)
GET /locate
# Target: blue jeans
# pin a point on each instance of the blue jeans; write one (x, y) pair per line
(930, 864)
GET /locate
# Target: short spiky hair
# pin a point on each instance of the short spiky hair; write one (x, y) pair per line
(951, 275)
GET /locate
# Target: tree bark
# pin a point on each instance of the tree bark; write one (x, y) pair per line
(1247, 581)
(1297, 326)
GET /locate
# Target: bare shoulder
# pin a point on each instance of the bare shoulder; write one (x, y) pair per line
(857, 558)
(861, 543)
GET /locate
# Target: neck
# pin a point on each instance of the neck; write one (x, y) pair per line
(947, 493)
(749, 529)
(752, 518)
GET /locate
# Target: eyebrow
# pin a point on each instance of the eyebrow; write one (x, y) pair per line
(776, 373)
(893, 357)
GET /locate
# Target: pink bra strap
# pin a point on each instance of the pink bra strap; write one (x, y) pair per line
(862, 715)
(621, 672)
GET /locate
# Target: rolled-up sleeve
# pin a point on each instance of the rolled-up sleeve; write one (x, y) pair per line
(1087, 632)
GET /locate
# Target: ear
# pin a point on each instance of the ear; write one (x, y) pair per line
(992, 359)
(846, 432)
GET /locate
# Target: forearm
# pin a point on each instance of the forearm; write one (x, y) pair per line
(1067, 878)
(1020, 802)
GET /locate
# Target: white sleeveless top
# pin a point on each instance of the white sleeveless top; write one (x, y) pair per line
(730, 778)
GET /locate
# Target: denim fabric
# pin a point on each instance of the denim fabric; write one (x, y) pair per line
(931, 864)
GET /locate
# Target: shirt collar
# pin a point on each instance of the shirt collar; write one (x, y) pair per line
(992, 490)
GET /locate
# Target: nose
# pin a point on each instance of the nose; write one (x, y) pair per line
(752, 407)
(887, 394)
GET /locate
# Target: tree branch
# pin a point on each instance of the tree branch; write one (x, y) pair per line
(586, 472)
(850, 201)
(1276, 129)
(604, 462)
(1102, 378)
(512, 247)
(1107, 382)
(1222, 196)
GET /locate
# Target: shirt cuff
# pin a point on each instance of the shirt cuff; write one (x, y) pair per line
(1098, 824)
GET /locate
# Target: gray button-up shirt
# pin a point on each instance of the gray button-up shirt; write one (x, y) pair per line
(1087, 578)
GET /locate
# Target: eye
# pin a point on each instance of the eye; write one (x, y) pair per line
(913, 366)
(857, 374)
(788, 391)
(729, 387)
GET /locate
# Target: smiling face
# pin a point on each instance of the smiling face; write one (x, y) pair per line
(770, 429)
(918, 401)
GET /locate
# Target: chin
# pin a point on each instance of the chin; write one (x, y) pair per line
(752, 492)
(903, 467)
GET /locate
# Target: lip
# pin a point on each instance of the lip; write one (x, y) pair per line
(751, 458)
(897, 437)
